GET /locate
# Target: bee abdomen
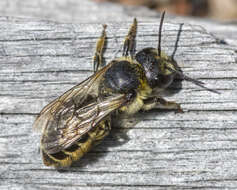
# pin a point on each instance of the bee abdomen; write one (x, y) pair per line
(65, 157)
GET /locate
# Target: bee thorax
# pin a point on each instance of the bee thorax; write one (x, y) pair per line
(121, 78)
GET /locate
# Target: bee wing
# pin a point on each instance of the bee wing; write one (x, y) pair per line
(76, 95)
(70, 124)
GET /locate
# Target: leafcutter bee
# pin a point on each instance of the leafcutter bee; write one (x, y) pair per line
(81, 117)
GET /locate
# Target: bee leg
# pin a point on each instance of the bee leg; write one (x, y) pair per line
(102, 131)
(129, 44)
(94, 138)
(160, 103)
(59, 159)
(98, 57)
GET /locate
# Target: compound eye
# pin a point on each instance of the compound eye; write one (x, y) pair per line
(141, 57)
(151, 67)
(148, 59)
(152, 72)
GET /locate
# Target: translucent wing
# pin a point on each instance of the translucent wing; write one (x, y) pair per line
(78, 95)
(73, 114)
(70, 124)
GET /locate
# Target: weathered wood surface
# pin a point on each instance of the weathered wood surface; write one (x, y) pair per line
(39, 60)
(87, 11)
(65, 10)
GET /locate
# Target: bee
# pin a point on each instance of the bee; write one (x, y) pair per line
(81, 118)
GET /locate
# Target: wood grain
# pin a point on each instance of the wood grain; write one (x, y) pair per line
(39, 60)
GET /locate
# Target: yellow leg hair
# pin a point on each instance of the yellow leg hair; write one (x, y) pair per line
(160, 103)
(129, 42)
(98, 57)
(65, 157)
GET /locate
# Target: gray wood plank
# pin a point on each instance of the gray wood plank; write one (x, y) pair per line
(65, 10)
(156, 150)
(87, 11)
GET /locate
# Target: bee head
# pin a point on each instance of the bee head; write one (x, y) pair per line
(159, 68)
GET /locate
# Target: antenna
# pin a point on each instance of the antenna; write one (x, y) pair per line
(160, 29)
(195, 81)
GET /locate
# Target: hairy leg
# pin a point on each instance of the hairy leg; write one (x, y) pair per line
(129, 42)
(157, 102)
(98, 57)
